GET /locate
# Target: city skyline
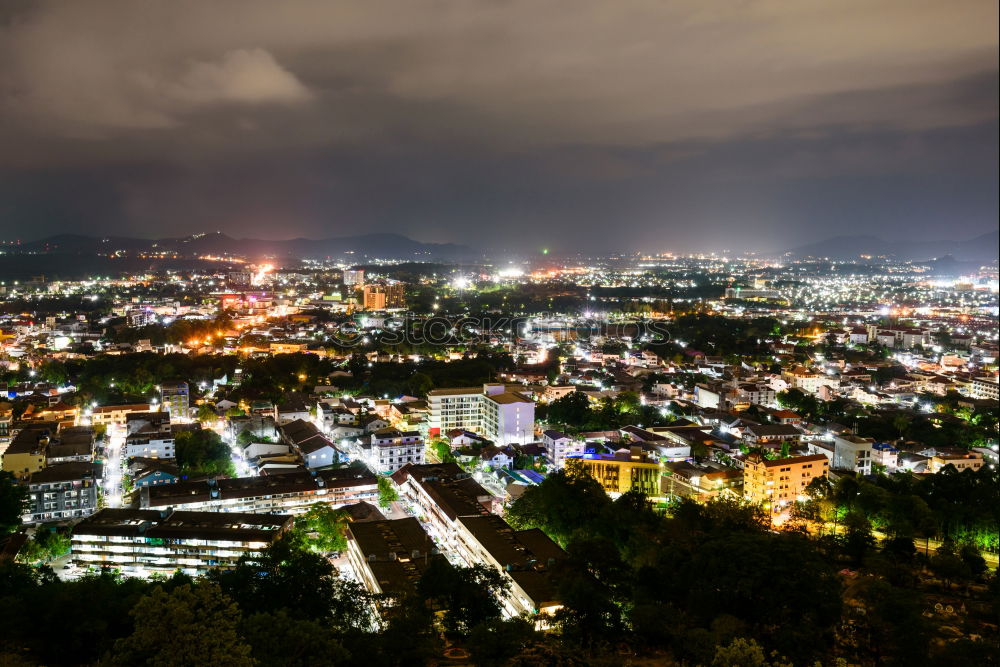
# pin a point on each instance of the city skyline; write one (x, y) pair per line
(658, 127)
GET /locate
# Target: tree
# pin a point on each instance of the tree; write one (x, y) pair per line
(13, 501)
(387, 493)
(193, 625)
(566, 502)
(893, 624)
(206, 413)
(469, 596)
(571, 410)
(973, 560)
(419, 384)
(947, 566)
(203, 451)
(744, 653)
(588, 613)
(858, 540)
(442, 450)
(323, 528)
(46, 545)
(287, 576)
(496, 641)
(279, 640)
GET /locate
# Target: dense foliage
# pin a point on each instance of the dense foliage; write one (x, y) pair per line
(285, 607)
(203, 452)
(696, 578)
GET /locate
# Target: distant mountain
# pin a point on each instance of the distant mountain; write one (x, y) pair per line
(386, 246)
(981, 250)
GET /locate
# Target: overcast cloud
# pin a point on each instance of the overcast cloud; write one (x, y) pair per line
(583, 123)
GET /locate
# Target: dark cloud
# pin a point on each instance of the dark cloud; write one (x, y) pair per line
(586, 124)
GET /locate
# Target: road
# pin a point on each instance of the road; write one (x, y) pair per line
(926, 547)
(113, 466)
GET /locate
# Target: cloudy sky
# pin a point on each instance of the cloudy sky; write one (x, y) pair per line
(573, 124)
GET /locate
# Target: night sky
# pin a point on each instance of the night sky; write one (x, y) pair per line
(578, 125)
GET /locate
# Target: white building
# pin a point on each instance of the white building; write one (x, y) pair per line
(159, 446)
(390, 449)
(559, 446)
(985, 387)
(503, 416)
(851, 452)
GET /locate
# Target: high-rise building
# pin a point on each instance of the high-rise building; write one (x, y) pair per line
(354, 277)
(383, 296)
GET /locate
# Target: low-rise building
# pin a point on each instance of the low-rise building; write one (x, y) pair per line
(116, 415)
(851, 452)
(150, 446)
(62, 491)
(626, 470)
(27, 452)
(314, 448)
(756, 434)
(777, 483)
(961, 462)
(286, 493)
(389, 557)
(527, 558)
(143, 542)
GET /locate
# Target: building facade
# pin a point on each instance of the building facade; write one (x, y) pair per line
(144, 542)
(621, 472)
(777, 483)
(62, 491)
(498, 414)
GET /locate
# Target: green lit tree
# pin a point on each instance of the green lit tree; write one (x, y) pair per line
(387, 493)
(323, 528)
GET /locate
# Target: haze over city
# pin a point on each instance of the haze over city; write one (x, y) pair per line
(581, 126)
(499, 333)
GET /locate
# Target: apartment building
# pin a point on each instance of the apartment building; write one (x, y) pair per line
(559, 446)
(389, 557)
(496, 412)
(62, 491)
(389, 449)
(526, 558)
(986, 388)
(144, 542)
(851, 452)
(287, 493)
(442, 493)
(382, 296)
(777, 483)
(176, 399)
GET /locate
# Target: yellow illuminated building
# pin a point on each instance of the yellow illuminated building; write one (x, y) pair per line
(779, 482)
(623, 471)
